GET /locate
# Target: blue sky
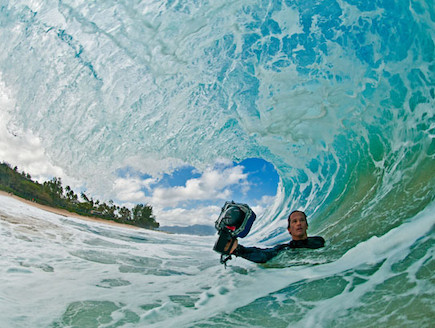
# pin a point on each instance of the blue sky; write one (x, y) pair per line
(191, 196)
(261, 179)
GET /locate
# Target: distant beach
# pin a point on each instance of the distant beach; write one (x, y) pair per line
(66, 213)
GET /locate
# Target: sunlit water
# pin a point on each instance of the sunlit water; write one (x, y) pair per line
(337, 95)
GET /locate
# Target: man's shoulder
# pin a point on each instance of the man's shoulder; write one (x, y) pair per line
(310, 242)
(317, 238)
(316, 241)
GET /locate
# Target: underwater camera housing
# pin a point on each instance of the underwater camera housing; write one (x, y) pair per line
(234, 221)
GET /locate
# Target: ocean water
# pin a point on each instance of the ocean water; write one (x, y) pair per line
(337, 95)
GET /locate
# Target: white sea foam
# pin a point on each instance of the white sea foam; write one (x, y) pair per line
(53, 266)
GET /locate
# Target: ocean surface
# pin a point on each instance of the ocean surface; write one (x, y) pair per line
(338, 95)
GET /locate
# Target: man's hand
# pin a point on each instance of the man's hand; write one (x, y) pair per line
(227, 246)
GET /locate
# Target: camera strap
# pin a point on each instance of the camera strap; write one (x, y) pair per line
(224, 259)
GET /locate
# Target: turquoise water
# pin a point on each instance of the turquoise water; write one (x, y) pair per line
(337, 95)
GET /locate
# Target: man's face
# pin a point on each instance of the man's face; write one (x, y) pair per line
(298, 226)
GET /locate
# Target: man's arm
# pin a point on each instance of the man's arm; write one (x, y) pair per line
(262, 255)
(255, 254)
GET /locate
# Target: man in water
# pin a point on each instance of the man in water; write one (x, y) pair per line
(297, 227)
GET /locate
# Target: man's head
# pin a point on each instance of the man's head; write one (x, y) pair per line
(297, 225)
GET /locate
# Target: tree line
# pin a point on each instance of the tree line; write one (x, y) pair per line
(52, 193)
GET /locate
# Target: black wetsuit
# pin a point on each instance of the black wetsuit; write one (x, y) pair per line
(262, 255)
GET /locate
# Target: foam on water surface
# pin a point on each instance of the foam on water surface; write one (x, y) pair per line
(61, 272)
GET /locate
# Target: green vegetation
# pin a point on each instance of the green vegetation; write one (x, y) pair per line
(53, 194)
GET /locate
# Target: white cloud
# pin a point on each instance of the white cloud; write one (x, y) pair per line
(128, 190)
(131, 189)
(260, 207)
(22, 148)
(152, 165)
(206, 215)
(186, 217)
(213, 184)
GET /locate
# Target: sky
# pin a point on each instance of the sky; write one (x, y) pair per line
(197, 196)
(185, 196)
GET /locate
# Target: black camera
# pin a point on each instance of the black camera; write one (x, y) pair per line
(234, 221)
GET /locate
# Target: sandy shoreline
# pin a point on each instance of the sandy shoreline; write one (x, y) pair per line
(67, 213)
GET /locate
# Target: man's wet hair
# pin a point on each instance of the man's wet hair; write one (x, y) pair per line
(296, 211)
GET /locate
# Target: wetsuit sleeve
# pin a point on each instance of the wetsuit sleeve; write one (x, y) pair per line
(257, 255)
